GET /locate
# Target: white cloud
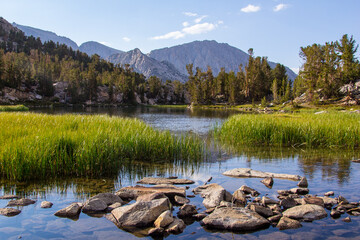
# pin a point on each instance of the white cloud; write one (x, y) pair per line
(170, 35)
(199, 19)
(185, 24)
(126, 39)
(199, 28)
(220, 22)
(280, 7)
(190, 14)
(250, 8)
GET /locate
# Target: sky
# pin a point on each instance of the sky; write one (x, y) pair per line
(273, 28)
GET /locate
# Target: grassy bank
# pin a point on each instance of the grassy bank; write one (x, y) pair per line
(334, 130)
(34, 146)
(13, 108)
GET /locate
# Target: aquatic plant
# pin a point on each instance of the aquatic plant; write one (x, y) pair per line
(13, 108)
(38, 146)
(327, 130)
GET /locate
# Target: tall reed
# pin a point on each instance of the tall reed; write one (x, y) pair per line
(329, 130)
(35, 146)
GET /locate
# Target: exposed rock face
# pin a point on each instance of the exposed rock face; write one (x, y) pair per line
(206, 53)
(46, 204)
(213, 194)
(248, 172)
(237, 219)
(46, 36)
(71, 211)
(130, 193)
(307, 212)
(288, 223)
(148, 66)
(20, 202)
(157, 181)
(303, 183)
(9, 212)
(92, 47)
(164, 219)
(140, 214)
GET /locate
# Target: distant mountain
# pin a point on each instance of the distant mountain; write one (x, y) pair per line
(206, 53)
(46, 36)
(103, 51)
(148, 66)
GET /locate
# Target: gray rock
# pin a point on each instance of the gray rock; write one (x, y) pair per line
(187, 210)
(239, 198)
(329, 201)
(330, 193)
(249, 190)
(181, 200)
(266, 201)
(199, 216)
(108, 198)
(342, 200)
(335, 213)
(237, 219)
(283, 192)
(307, 212)
(140, 213)
(94, 205)
(151, 196)
(71, 211)
(248, 172)
(157, 181)
(268, 182)
(301, 191)
(288, 223)
(275, 218)
(177, 226)
(20, 202)
(225, 204)
(132, 192)
(9, 197)
(164, 219)
(288, 202)
(313, 200)
(156, 232)
(113, 206)
(212, 193)
(303, 183)
(9, 212)
(46, 204)
(263, 211)
(347, 219)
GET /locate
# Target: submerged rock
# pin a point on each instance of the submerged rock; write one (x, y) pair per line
(288, 223)
(132, 192)
(9, 212)
(46, 204)
(236, 219)
(20, 202)
(140, 214)
(9, 197)
(71, 211)
(308, 212)
(248, 172)
(157, 181)
(213, 194)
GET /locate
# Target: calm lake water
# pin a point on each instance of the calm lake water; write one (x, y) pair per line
(325, 170)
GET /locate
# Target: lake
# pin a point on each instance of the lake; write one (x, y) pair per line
(325, 170)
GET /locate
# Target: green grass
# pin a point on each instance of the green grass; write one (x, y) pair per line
(13, 108)
(329, 130)
(37, 146)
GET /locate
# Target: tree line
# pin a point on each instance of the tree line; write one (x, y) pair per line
(26, 62)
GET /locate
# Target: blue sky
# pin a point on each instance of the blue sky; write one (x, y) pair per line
(274, 28)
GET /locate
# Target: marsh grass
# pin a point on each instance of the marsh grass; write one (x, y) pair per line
(329, 130)
(37, 146)
(13, 108)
